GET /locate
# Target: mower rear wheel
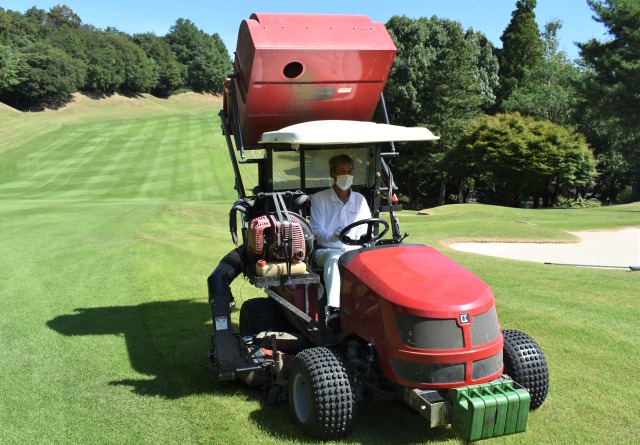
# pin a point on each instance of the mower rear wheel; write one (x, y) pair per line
(524, 362)
(320, 394)
(261, 314)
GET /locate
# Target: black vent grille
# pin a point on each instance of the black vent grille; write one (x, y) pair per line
(428, 373)
(486, 367)
(485, 328)
(429, 333)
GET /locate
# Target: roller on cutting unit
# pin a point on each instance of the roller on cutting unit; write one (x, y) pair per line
(414, 325)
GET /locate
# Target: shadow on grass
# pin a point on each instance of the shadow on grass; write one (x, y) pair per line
(385, 423)
(167, 341)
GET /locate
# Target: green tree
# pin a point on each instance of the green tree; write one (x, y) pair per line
(170, 73)
(522, 48)
(547, 90)
(117, 63)
(21, 30)
(408, 79)
(102, 61)
(612, 81)
(443, 77)
(487, 66)
(140, 73)
(63, 16)
(5, 27)
(207, 67)
(37, 16)
(222, 65)
(614, 177)
(8, 68)
(106, 67)
(47, 76)
(71, 41)
(513, 158)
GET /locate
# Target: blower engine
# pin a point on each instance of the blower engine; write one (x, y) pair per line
(280, 238)
(271, 239)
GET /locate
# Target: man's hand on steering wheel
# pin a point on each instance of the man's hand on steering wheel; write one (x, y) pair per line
(368, 238)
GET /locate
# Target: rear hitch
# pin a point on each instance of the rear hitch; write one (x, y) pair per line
(433, 405)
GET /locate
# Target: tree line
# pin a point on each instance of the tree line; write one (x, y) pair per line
(523, 123)
(518, 124)
(45, 57)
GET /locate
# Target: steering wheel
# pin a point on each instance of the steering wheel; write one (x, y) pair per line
(368, 238)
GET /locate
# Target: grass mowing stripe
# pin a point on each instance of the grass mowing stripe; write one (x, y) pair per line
(70, 168)
(17, 129)
(23, 164)
(79, 266)
(137, 168)
(105, 321)
(152, 185)
(65, 154)
(77, 157)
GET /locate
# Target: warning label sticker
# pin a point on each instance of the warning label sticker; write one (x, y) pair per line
(221, 323)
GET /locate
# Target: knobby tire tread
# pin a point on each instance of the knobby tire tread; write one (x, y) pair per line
(261, 314)
(525, 363)
(333, 403)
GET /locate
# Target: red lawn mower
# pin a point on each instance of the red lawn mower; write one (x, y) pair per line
(414, 326)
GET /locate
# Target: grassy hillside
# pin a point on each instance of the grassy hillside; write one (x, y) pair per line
(113, 212)
(116, 148)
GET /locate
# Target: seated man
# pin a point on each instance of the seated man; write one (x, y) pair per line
(331, 211)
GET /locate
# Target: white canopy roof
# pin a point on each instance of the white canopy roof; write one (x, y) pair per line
(331, 132)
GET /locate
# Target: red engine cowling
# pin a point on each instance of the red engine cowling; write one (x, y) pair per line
(433, 322)
(269, 238)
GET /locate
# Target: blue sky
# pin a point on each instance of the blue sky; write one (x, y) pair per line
(224, 17)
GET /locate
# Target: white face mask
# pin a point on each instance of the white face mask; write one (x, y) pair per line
(344, 181)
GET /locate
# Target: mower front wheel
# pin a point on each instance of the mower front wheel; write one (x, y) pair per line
(320, 394)
(524, 362)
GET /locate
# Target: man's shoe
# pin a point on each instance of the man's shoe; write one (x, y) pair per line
(333, 316)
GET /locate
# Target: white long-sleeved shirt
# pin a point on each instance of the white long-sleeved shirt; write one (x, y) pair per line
(328, 214)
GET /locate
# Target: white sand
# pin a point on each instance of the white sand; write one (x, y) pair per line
(599, 248)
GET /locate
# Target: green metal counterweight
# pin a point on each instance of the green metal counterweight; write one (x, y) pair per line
(489, 410)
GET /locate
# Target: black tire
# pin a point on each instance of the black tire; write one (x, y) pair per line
(320, 394)
(276, 395)
(261, 314)
(524, 362)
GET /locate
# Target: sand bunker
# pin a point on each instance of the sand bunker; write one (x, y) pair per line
(619, 248)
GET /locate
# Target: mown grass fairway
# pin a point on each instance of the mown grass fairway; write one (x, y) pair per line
(114, 212)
